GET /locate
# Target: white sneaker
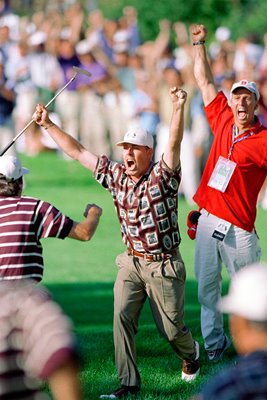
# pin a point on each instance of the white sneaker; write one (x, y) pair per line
(191, 369)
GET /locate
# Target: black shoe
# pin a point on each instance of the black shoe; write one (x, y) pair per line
(123, 391)
(217, 355)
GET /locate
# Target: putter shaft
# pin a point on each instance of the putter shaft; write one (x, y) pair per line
(77, 70)
(29, 123)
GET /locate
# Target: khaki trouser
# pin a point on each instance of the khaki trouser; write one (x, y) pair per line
(163, 283)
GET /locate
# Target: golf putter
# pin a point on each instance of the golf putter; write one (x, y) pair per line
(77, 70)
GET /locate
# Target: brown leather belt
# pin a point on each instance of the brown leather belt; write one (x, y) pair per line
(152, 257)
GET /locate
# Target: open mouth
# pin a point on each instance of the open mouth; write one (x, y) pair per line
(241, 113)
(130, 164)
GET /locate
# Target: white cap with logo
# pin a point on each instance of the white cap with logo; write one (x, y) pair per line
(138, 136)
(247, 295)
(251, 86)
(11, 168)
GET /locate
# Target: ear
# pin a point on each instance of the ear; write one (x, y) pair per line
(150, 152)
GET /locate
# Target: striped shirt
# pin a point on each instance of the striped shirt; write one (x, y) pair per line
(23, 222)
(36, 338)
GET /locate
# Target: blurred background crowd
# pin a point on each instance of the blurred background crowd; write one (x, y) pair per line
(129, 83)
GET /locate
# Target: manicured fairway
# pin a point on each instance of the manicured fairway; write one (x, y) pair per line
(81, 276)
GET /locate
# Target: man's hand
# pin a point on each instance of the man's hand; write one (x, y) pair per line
(85, 229)
(198, 33)
(92, 209)
(41, 117)
(178, 96)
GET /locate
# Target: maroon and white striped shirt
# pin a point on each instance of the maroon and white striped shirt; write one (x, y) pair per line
(36, 338)
(23, 222)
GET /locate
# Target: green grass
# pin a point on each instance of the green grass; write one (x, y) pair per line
(81, 276)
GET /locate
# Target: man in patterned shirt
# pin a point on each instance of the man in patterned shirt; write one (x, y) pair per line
(145, 196)
(24, 221)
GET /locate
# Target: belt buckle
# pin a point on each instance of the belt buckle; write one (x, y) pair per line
(158, 257)
(147, 257)
(153, 257)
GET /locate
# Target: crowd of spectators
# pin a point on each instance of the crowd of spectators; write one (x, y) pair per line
(129, 83)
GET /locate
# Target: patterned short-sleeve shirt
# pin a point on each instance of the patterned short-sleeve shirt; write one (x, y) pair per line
(147, 210)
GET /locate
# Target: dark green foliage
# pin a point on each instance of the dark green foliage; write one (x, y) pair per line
(241, 16)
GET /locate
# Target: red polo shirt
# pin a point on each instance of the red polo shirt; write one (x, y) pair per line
(238, 203)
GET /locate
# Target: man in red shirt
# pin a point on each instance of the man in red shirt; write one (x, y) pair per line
(227, 195)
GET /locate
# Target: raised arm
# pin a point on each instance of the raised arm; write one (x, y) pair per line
(202, 70)
(172, 151)
(66, 142)
(85, 230)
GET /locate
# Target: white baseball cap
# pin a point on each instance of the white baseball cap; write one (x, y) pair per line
(138, 136)
(247, 295)
(11, 168)
(37, 38)
(222, 33)
(86, 46)
(251, 86)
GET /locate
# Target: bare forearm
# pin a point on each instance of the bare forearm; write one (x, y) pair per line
(177, 128)
(202, 70)
(172, 150)
(66, 142)
(85, 229)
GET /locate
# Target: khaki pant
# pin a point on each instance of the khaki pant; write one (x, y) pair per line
(163, 283)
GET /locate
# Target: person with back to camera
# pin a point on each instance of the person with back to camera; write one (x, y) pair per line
(27, 308)
(25, 220)
(145, 196)
(28, 358)
(246, 302)
(227, 194)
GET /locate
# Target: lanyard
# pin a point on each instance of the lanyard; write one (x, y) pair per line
(240, 139)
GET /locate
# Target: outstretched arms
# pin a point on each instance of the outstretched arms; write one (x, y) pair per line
(66, 142)
(172, 151)
(85, 229)
(202, 70)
